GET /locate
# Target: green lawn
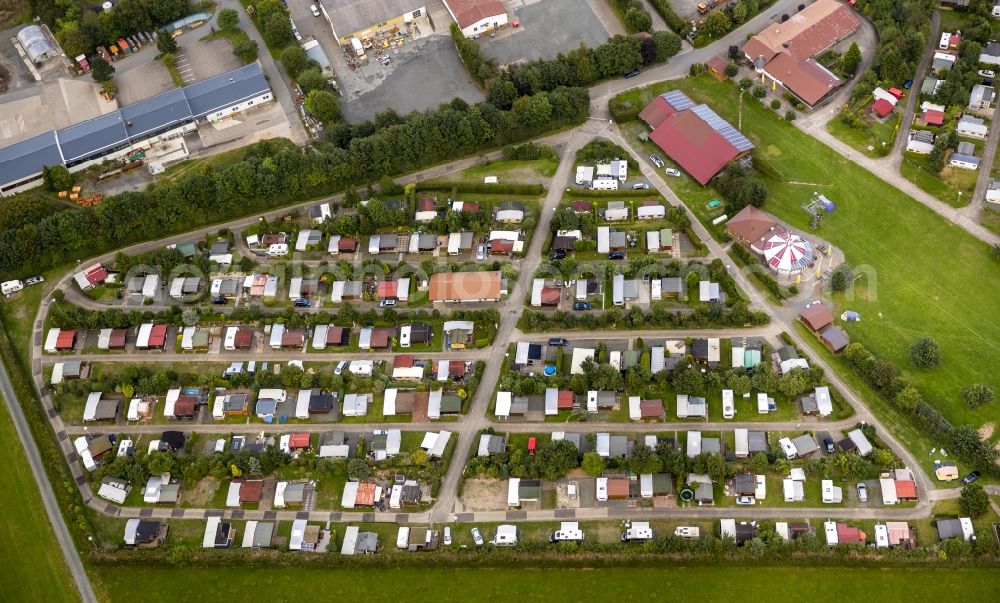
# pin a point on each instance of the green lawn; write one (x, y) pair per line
(990, 218)
(33, 566)
(944, 186)
(878, 135)
(926, 276)
(425, 584)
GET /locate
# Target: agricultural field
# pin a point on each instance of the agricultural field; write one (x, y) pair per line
(940, 287)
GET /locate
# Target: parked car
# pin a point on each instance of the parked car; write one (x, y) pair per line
(34, 280)
(676, 173)
(477, 537)
(745, 500)
(314, 10)
(631, 74)
(616, 255)
(387, 303)
(447, 535)
(532, 445)
(687, 531)
(862, 492)
(340, 367)
(968, 479)
(558, 341)
(640, 186)
(581, 306)
(302, 303)
(557, 255)
(656, 160)
(220, 300)
(987, 73)
(828, 444)
(481, 253)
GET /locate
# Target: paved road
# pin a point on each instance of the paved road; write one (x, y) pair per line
(49, 501)
(914, 95)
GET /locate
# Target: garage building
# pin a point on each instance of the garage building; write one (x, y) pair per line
(363, 19)
(476, 17)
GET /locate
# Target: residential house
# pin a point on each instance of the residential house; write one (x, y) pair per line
(708, 292)
(100, 408)
(452, 287)
(805, 445)
(981, 97)
(415, 334)
(460, 242)
(972, 127)
(490, 444)
(752, 227)
(989, 55)
(651, 210)
(920, 141)
(161, 489)
(691, 407)
(955, 527)
(111, 339)
(426, 210)
(423, 242)
(943, 61)
(510, 212)
(702, 486)
(545, 293)
(964, 157)
(834, 338)
(144, 533)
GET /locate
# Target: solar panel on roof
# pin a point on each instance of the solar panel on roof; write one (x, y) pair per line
(724, 128)
(678, 100)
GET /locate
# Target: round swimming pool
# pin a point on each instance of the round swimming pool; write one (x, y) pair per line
(549, 370)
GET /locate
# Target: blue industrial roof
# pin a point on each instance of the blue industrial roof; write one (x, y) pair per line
(156, 113)
(90, 137)
(131, 123)
(28, 157)
(208, 96)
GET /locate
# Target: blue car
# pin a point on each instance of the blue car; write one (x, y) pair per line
(302, 303)
(583, 306)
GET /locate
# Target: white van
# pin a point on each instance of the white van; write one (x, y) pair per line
(278, 250)
(602, 489)
(945, 41)
(11, 287)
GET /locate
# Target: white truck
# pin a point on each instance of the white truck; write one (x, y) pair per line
(637, 531)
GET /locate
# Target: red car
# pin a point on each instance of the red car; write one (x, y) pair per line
(532, 443)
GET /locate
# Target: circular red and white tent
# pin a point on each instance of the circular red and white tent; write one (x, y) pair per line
(787, 252)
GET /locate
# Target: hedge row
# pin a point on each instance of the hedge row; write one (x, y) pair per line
(481, 187)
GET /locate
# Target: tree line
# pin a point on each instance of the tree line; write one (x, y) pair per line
(80, 31)
(273, 173)
(902, 27)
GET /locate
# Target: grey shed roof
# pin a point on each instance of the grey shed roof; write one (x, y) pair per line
(966, 148)
(159, 112)
(711, 445)
(90, 137)
(349, 16)
(26, 158)
(226, 90)
(757, 441)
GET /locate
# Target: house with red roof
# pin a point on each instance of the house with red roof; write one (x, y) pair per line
(475, 17)
(693, 135)
(933, 117)
(783, 52)
(882, 108)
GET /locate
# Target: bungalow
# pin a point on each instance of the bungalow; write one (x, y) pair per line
(111, 339)
(329, 335)
(793, 486)
(385, 443)
(458, 334)
(956, 527)
(834, 338)
(181, 287)
(308, 239)
(68, 371)
(415, 334)
(964, 157)
(261, 285)
(623, 290)
(356, 405)
(490, 444)
(816, 316)
(708, 292)
(341, 291)
(405, 369)
(564, 243)
(920, 141)
(981, 97)
(858, 442)
(286, 339)
(60, 340)
(702, 486)
(817, 403)
(972, 127)
(691, 407)
(195, 339)
(151, 337)
(584, 174)
(943, 61)
(426, 210)
(423, 242)
(226, 287)
(358, 543)
(99, 408)
(397, 289)
(294, 442)
(376, 338)
(258, 535)
(144, 533)
(436, 443)
(467, 207)
(299, 287)
(218, 535)
(745, 484)
(523, 490)
(289, 494)
(545, 294)
(645, 410)
(741, 532)
(238, 338)
(90, 277)
(930, 85)
(585, 288)
(460, 242)
(243, 492)
(831, 494)
(616, 211)
(161, 489)
(340, 244)
(881, 108)
(509, 212)
(231, 404)
(651, 210)
(805, 445)
(320, 213)
(582, 207)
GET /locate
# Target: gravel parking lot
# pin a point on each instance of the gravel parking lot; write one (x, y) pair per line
(424, 74)
(546, 31)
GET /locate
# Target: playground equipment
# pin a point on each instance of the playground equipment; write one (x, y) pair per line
(818, 202)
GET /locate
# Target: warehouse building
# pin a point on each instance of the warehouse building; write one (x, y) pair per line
(476, 17)
(132, 128)
(366, 19)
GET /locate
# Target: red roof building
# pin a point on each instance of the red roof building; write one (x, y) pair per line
(117, 339)
(550, 296)
(158, 336)
(335, 336)
(501, 246)
(906, 489)
(366, 495)
(896, 92)
(933, 117)
(470, 206)
(817, 317)
(96, 274)
(380, 337)
(251, 491)
(425, 204)
(881, 107)
(565, 400)
(386, 289)
(347, 245)
(184, 407)
(402, 361)
(846, 533)
(298, 441)
(692, 143)
(470, 12)
(651, 409)
(66, 339)
(243, 339)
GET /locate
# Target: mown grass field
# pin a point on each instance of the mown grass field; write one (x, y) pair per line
(452, 584)
(33, 567)
(924, 275)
